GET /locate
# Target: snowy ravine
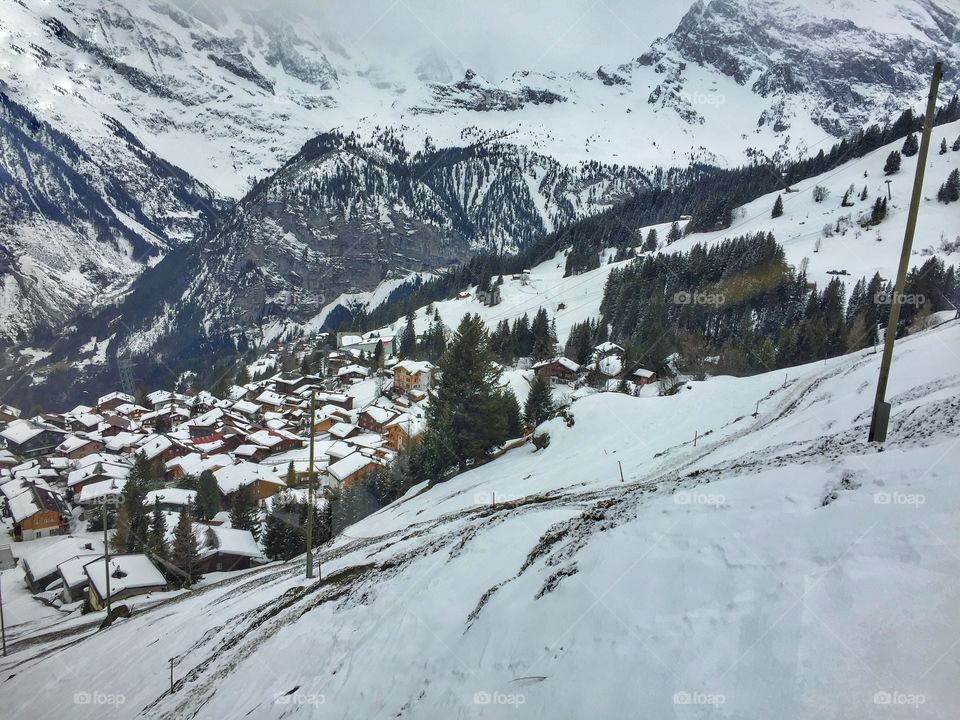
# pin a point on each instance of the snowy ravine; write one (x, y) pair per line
(781, 567)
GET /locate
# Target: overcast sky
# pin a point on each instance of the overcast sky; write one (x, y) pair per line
(495, 37)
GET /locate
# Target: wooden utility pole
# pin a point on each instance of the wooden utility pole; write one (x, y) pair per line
(106, 554)
(171, 674)
(881, 408)
(310, 506)
(3, 627)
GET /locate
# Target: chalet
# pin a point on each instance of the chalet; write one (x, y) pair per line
(114, 425)
(289, 384)
(161, 448)
(72, 577)
(40, 568)
(353, 373)
(123, 442)
(342, 431)
(352, 468)
(224, 549)
(410, 375)
(248, 409)
(37, 510)
(605, 349)
(28, 439)
(130, 576)
(261, 481)
(171, 499)
(75, 447)
(643, 377)
(112, 401)
(84, 422)
(194, 464)
(558, 369)
(8, 414)
(275, 441)
(270, 401)
(367, 344)
(375, 418)
(328, 416)
(251, 452)
(96, 472)
(94, 494)
(404, 430)
(341, 400)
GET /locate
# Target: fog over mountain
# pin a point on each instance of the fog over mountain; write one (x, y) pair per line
(493, 38)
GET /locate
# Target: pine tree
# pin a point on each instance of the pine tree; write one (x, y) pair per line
(464, 417)
(243, 511)
(650, 244)
(893, 163)
(511, 412)
(956, 144)
(950, 191)
(943, 146)
(184, 551)
(863, 193)
(408, 338)
(157, 539)
(208, 496)
(910, 145)
(544, 345)
(879, 211)
(243, 375)
(777, 207)
(539, 405)
(674, 233)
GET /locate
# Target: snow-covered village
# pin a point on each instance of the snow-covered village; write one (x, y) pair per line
(417, 360)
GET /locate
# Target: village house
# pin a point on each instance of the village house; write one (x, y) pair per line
(130, 576)
(404, 430)
(375, 418)
(37, 510)
(170, 499)
(643, 377)
(111, 401)
(260, 480)
(412, 375)
(94, 494)
(352, 373)
(28, 439)
(73, 578)
(96, 468)
(225, 549)
(351, 468)
(40, 569)
(75, 447)
(8, 414)
(559, 369)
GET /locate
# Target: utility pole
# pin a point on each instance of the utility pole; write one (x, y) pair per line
(106, 554)
(3, 627)
(310, 505)
(881, 408)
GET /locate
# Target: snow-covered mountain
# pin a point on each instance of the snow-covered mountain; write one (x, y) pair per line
(781, 566)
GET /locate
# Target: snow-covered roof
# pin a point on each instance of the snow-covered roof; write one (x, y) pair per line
(268, 397)
(341, 429)
(104, 488)
(73, 442)
(19, 431)
(246, 407)
(608, 347)
(353, 370)
(343, 469)
(414, 367)
(170, 496)
(229, 541)
(127, 572)
(565, 362)
(127, 399)
(46, 561)
(378, 414)
(232, 477)
(108, 470)
(642, 373)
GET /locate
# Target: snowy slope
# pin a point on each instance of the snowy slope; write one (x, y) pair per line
(860, 252)
(782, 567)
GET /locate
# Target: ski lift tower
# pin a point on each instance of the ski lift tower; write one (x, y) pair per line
(125, 370)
